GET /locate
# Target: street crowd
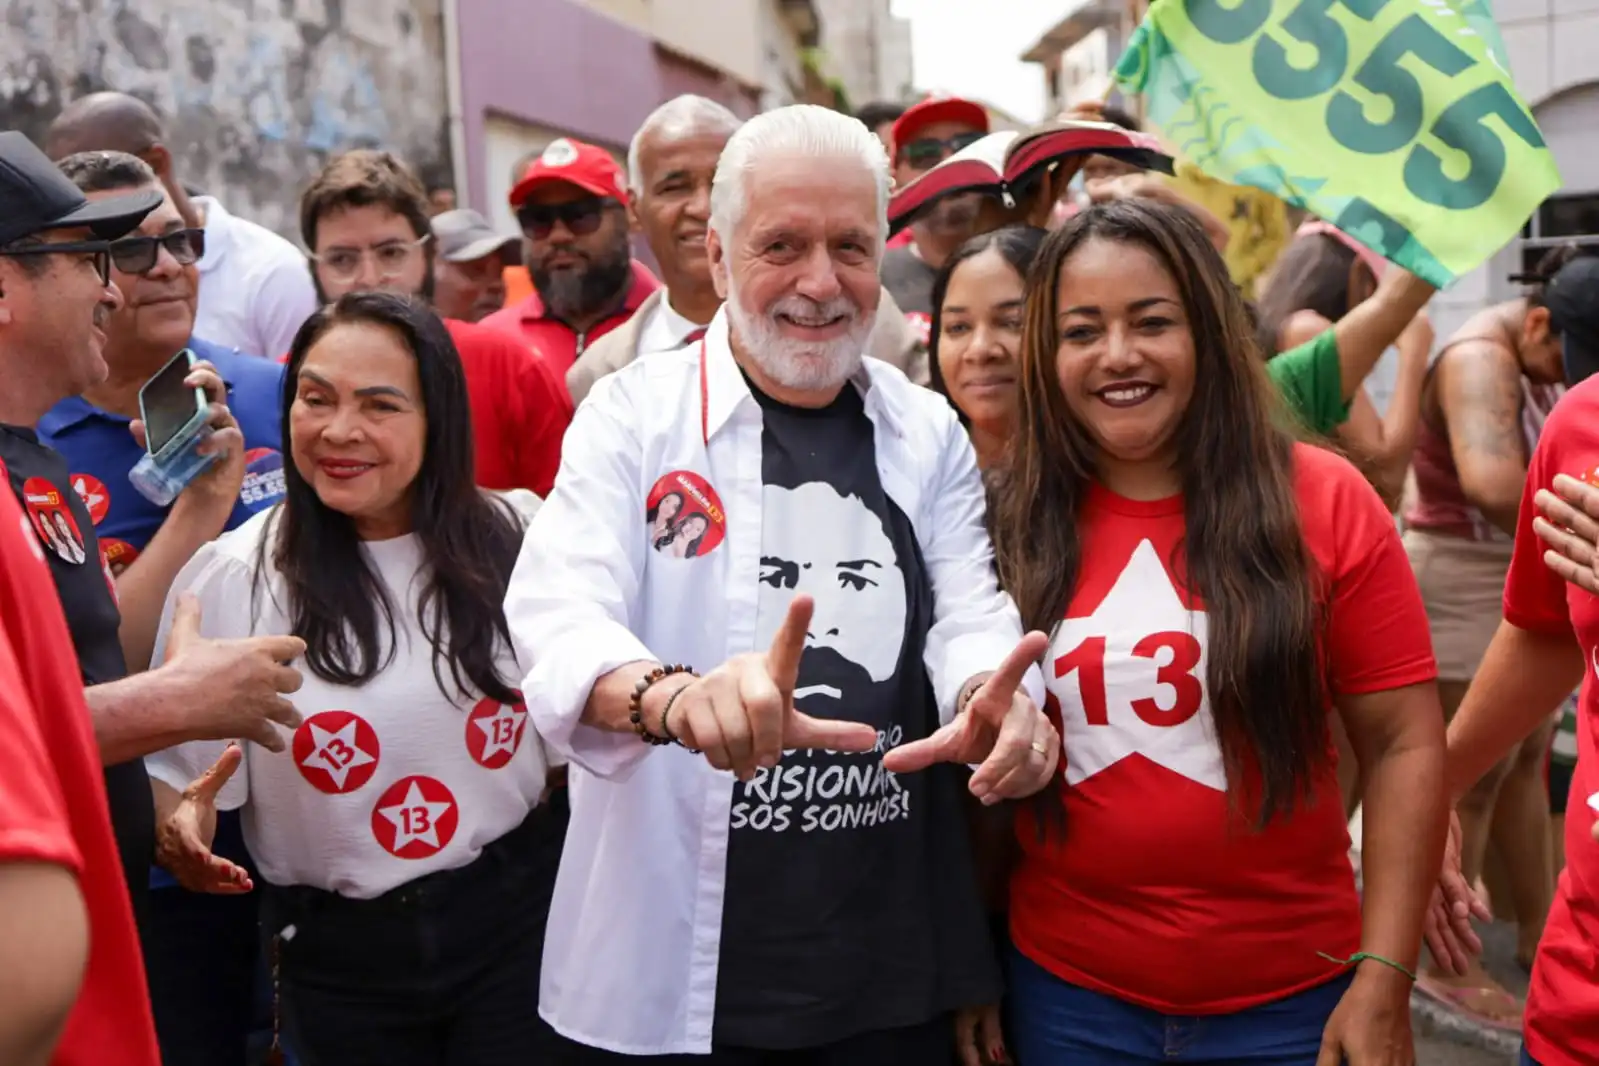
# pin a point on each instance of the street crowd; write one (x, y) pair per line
(795, 653)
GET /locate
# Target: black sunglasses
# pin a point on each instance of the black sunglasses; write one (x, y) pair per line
(100, 250)
(581, 217)
(138, 255)
(927, 152)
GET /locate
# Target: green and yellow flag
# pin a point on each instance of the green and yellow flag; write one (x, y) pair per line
(1395, 120)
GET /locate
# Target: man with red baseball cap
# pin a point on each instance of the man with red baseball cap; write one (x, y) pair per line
(570, 205)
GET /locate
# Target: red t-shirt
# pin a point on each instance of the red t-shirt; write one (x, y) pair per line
(1158, 893)
(1562, 1019)
(520, 409)
(53, 802)
(553, 339)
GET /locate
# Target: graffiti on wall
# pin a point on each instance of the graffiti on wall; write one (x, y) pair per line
(255, 94)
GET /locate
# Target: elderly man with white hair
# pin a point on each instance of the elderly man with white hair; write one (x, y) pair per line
(762, 622)
(670, 165)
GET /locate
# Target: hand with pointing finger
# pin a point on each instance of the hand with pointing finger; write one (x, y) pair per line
(742, 716)
(183, 839)
(232, 689)
(999, 727)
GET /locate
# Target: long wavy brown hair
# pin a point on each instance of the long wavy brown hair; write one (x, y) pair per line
(1243, 554)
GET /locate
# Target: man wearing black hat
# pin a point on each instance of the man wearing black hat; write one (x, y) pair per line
(55, 296)
(1572, 297)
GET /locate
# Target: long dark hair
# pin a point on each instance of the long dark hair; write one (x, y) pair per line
(1018, 245)
(469, 539)
(1243, 554)
(1312, 274)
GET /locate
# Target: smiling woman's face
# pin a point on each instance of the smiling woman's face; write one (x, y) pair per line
(979, 334)
(1125, 361)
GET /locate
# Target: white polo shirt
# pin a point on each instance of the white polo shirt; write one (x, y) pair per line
(632, 949)
(255, 287)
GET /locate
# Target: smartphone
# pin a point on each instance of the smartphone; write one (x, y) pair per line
(175, 425)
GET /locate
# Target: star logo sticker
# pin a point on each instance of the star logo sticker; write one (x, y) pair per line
(1130, 680)
(494, 732)
(336, 751)
(415, 818)
(92, 491)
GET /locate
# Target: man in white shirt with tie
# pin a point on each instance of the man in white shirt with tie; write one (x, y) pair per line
(762, 621)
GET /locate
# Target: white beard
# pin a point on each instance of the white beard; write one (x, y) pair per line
(805, 366)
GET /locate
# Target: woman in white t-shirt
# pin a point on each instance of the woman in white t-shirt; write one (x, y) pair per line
(407, 864)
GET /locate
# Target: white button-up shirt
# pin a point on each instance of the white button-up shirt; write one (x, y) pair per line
(631, 952)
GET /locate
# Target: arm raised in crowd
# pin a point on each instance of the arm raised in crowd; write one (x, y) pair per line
(1479, 390)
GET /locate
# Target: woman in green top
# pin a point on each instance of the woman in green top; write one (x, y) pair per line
(1325, 321)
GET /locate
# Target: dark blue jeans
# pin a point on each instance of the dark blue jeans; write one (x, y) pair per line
(1053, 1023)
(1526, 1059)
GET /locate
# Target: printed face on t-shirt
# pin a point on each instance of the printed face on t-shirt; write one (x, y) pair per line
(833, 549)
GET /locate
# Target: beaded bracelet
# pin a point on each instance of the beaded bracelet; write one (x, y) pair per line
(635, 703)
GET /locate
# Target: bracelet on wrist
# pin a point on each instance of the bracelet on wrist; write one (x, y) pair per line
(635, 703)
(1363, 956)
(666, 728)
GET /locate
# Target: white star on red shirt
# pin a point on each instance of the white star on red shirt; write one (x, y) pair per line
(90, 499)
(415, 819)
(337, 753)
(1141, 603)
(497, 737)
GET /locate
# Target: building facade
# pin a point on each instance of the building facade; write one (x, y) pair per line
(868, 50)
(255, 94)
(1079, 52)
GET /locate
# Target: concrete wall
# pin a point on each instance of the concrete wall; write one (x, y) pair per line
(256, 94)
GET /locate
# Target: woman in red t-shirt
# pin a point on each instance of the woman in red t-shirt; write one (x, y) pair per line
(1542, 650)
(1215, 591)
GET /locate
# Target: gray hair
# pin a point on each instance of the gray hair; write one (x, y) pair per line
(802, 130)
(105, 171)
(681, 116)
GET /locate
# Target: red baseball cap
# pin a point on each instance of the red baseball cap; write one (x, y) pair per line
(938, 109)
(575, 163)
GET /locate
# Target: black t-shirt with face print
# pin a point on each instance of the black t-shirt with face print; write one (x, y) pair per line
(851, 903)
(39, 478)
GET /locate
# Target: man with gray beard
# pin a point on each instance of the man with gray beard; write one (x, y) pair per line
(772, 854)
(570, 203)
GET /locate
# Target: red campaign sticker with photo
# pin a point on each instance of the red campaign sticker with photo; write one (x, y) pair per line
(119, 554)
(683, 516)
(95, 496)
(494, 732)
(415, 818)
(52, 520)
(921, 327)
(110, 578)
(263, 478)
(336, 751)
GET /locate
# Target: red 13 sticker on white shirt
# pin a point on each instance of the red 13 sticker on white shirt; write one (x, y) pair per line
(336, 751)
(415, 818)
(494, 732)
(1130, 680)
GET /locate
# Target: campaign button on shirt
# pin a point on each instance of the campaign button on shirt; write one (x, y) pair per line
(415, 817)
(119, 554)
(336, 751)
(263, 478)
(95, 496)
(494, 732)
(52, 520)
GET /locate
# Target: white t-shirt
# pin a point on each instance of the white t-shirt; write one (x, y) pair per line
(255, 287)
(665, 330)
(381, 784)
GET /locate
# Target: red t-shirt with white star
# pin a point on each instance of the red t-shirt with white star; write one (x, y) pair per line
(1158, 892)
(381, 783)
(1562, 1019)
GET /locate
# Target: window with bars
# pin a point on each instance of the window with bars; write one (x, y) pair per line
(1560, 220)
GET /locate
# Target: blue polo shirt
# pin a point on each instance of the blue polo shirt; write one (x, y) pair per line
(100, 451)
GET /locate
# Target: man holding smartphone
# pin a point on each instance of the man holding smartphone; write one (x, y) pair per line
(56, 298)
(200, 951)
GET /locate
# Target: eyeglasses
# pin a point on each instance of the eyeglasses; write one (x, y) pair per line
(99, 250)
(927, 152)
(392, 257)
(138, 255)
(581, 217)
